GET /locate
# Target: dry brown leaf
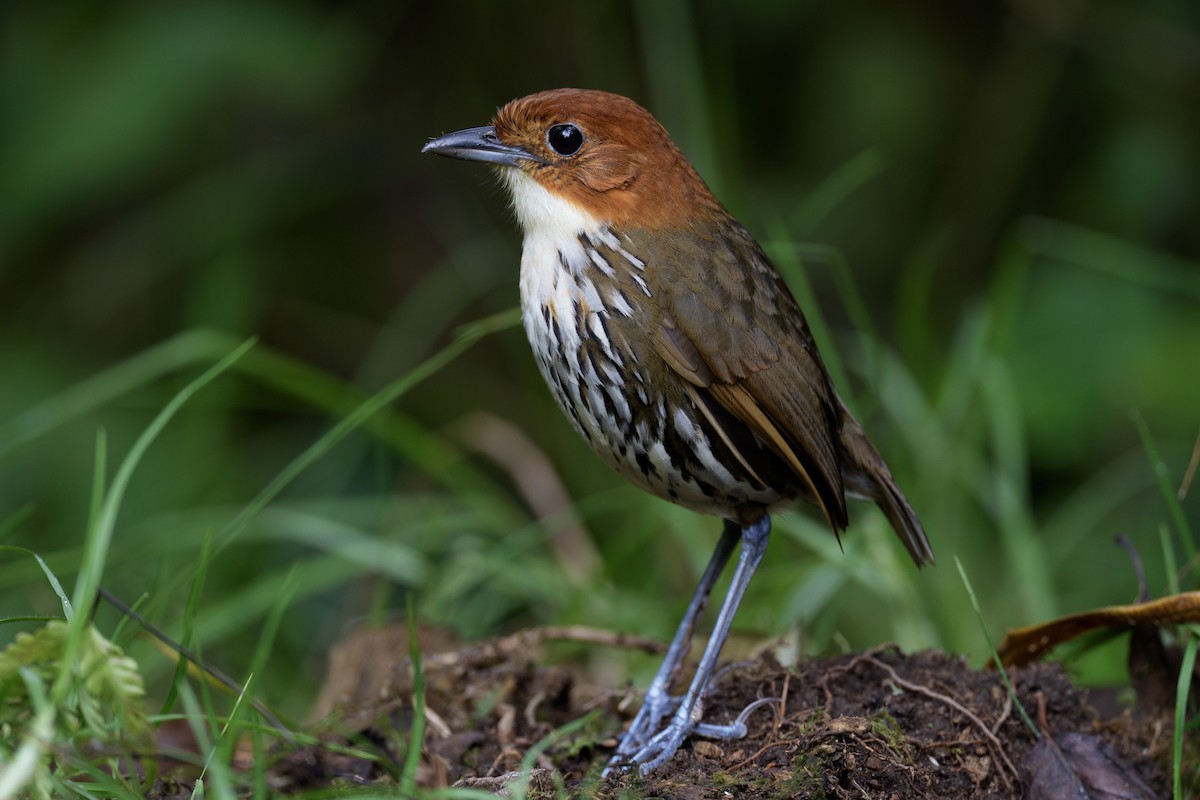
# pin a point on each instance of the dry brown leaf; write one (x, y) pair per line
(1023, 645)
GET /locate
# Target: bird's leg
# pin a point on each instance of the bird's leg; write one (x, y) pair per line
(658, 702)
(686, 718)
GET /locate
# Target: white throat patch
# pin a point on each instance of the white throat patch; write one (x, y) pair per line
(544, 213)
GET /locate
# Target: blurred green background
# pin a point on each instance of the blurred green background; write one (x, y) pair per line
(991, 211)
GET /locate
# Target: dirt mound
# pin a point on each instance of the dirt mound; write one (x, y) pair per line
(875, 724)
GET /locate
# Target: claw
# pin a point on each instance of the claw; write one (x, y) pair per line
(661, 747)
(656, 705)
(735, 729)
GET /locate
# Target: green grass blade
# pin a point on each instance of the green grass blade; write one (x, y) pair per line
(125, 618)
(101, 531)
(291, 378)
(992, 649)
(1170, 564)
(28, 618)
(1008, 483)
(848, 178)
(51, 578)
(520, 787)
(186, 636)
(139, 370)
(467, 336)
(416, 739)
(99, 478)
(1163, 478)
(215, 774)
(1110, 255)
(680, 98)
(1186, 673)
(270, 631)
(39, 737)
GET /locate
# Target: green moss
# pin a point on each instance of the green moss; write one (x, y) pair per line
(727, 781)
(809, 724)
(806, 780)
(884, 726)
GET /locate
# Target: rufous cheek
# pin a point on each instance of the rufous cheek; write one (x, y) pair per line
(607, 167)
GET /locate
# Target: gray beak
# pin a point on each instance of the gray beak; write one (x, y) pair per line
(478, 144)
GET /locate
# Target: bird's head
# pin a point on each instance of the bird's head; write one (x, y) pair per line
(600, 152)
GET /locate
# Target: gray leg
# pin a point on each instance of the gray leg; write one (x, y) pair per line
(658, 702)
(686, 719)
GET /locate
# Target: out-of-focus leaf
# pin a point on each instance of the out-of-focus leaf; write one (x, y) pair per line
(1083, 767)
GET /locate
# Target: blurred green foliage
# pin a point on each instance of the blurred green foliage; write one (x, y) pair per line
(992, 211)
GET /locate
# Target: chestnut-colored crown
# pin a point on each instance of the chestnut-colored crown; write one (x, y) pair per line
(627, 171)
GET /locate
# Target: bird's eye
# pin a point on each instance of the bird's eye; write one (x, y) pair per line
(565, 139)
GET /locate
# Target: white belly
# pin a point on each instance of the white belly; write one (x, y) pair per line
(579, 287)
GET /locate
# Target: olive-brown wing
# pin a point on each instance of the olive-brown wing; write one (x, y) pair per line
(729, 326)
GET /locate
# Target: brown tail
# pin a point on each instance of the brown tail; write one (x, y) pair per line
(866, 474)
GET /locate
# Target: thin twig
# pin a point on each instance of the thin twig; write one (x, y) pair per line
(524, 641)
(216, 674)
(1004, 713)
(783, 698)
(950, 701)
(746, 761)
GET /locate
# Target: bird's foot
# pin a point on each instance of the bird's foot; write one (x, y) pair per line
(656, 705)
(649, 752)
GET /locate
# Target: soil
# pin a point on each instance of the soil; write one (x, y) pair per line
(879, 724)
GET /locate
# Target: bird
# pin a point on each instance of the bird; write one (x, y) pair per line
(675, 349)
